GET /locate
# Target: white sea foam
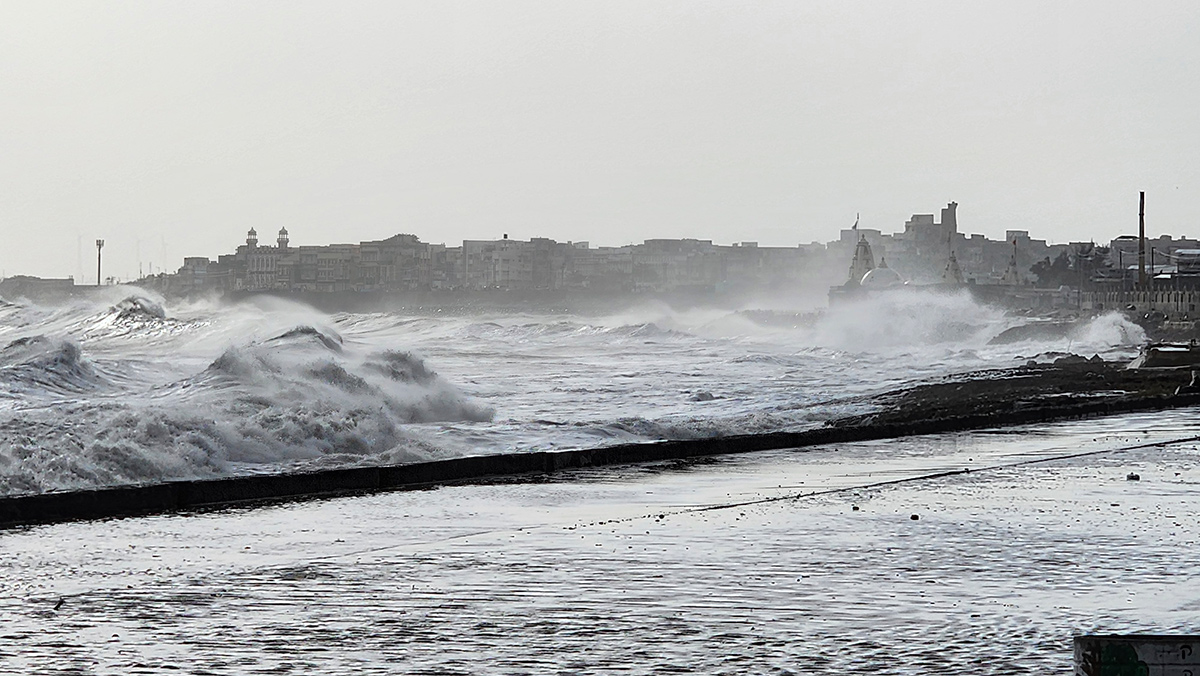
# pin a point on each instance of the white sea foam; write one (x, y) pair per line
(173, 410)
(905, 319)
(1108, 331)
(124, 387)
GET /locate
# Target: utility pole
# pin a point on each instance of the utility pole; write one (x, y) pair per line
(1151, 269)
(1142, 240)
(99, 246)
(1079, 274)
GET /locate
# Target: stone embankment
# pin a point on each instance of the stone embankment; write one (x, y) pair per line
(984, 399)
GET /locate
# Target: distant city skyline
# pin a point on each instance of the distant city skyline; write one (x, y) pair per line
(171, 129)
(146, 261)
(149, 266)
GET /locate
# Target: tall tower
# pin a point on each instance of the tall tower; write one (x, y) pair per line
(252, 239)
(1142, 240)
(99, 246)
(282, 241)
(862, 263)
(950, 217)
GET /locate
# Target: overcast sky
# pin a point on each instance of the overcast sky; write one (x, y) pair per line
(170, 128)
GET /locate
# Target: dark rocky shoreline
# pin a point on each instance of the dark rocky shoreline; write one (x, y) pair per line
(1031, 394)
(1007, 395)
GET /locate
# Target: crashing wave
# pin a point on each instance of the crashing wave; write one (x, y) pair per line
(401, 366)
(37, 364)
(309, 335)
(139, 307)
(278, 399)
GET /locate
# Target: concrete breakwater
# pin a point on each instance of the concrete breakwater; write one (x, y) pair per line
(1082, 391)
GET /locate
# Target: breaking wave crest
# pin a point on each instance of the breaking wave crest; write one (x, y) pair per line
(36, 364)
(139, 307)
(315, 369)
(297, 398)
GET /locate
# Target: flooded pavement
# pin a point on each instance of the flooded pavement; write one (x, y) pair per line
(750, 564)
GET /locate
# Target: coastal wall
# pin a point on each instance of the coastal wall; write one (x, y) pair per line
(217, 493)
(1176, 304)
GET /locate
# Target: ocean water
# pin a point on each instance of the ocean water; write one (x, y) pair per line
(781, 562)
(127, 388)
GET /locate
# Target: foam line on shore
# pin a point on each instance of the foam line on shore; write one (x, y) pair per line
(914, 479)
(661, 513)
(208, 494)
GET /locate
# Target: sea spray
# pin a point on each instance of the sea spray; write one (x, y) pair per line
(288, 398)
(126, 388)
(907, 318)
(1107, 331)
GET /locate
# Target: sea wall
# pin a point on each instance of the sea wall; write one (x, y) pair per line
(217, 493)
(1176, 304)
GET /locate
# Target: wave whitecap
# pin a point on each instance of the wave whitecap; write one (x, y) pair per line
(37, 365)
(298, 398)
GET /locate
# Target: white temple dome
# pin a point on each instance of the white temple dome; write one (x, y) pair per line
(881, 278)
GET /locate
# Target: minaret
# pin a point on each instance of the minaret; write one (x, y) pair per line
(283, 240)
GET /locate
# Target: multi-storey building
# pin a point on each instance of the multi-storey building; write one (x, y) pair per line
(262, 262)
(922, 253)
(604, 268)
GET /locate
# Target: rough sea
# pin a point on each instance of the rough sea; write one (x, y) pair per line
(129, 389)
(878, 557)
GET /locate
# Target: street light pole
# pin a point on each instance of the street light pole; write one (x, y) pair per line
(99, 246)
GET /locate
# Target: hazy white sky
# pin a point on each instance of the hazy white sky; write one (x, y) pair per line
(170, 128)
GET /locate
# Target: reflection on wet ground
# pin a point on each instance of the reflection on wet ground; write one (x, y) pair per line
(726, 566)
